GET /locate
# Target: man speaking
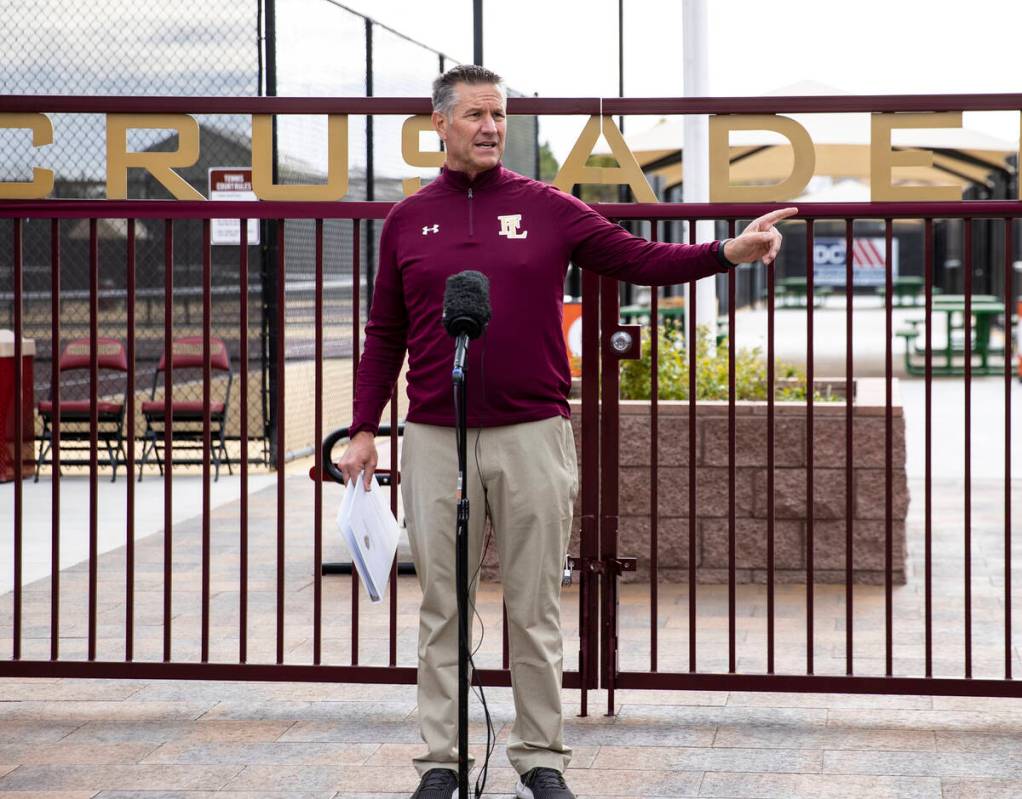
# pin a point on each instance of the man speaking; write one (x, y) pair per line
(521, 234)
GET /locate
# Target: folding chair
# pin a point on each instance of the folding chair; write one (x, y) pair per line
(75, 414)
(186, 416)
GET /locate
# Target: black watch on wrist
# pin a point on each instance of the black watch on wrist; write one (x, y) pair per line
(724, 262)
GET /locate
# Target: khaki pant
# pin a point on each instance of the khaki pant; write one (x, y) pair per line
(527, 475)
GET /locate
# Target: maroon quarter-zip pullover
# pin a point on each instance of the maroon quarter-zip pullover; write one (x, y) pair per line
(521, 234)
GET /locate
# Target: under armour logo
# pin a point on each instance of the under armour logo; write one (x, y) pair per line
(509, 225)
(427, 229)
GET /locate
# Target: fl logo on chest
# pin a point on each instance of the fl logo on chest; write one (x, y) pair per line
(509, 226)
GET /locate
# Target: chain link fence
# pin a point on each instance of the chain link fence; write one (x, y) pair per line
(191, 48)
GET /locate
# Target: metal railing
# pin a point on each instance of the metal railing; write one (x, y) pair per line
(600, 426)
(730, 676)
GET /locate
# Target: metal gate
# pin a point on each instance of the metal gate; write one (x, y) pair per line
(617, 555)
(602, 557)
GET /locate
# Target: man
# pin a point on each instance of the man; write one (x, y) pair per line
(522, 463)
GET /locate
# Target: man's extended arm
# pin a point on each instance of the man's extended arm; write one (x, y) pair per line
(607, 248)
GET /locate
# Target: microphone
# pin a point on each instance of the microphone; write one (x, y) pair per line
(466, 312)
(467, 304)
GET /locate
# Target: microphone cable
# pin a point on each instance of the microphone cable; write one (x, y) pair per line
(491, 737)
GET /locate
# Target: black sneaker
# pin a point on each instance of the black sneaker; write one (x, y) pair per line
(437, 783)
(542, 783)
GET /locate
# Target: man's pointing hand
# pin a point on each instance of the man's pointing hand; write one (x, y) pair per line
(760, 240)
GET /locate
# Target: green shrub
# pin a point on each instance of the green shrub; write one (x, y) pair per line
(711, 371)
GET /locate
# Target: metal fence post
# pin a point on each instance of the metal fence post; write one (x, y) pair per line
(268, 260)
(370, 185)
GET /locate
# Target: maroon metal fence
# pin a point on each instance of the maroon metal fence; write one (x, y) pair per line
(733, 678)
(600, 559)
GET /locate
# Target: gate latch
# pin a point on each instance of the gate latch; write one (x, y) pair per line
(625, 342)
(614, 566)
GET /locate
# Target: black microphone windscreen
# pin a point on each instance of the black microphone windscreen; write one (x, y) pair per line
(467, 303)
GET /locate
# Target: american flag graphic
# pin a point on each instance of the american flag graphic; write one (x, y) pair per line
(868, 262)
(867, 253)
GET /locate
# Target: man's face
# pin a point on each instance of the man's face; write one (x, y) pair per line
(474, 132)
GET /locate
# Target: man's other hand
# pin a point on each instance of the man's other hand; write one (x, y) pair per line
(358, 457)
(760, 240)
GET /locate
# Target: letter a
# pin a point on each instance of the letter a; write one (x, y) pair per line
(628, 172)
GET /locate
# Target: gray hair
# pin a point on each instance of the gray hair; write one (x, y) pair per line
(444, 95)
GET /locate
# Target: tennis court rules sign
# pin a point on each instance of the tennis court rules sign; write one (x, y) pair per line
(231, 183)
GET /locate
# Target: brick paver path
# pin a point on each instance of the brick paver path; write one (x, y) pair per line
(156, 739)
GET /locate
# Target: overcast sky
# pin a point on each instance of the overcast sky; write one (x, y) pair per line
(556, 48)
(570, 48)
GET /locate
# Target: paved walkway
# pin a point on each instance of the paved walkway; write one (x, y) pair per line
(191, 740)
(37, 499)
(157, 740)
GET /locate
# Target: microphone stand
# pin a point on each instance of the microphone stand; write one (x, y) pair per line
(461, 556)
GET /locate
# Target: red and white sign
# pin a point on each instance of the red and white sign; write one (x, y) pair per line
(868, 262)
(231, 183)
(571, 324)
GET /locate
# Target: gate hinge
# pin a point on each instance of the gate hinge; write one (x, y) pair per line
(594, 566)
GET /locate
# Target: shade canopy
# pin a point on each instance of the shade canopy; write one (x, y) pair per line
(961, 156)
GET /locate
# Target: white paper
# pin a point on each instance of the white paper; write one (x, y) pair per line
(370, 532)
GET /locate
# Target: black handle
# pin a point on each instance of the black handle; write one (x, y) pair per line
(341, 434)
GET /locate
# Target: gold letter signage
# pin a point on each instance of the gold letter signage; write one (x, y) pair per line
(159, 165)
(413, 156)
(627, 172)
(336, 185)
(721, 189)
(886, 184)
(882, 158)
(42, 179)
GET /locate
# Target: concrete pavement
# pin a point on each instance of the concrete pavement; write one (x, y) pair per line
(145, 739)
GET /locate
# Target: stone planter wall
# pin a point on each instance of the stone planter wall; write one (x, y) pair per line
(829, 501)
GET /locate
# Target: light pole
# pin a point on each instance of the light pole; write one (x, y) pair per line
(477, 32)
(695, 162)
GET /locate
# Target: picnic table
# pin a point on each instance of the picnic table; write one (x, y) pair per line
(797, 289)
(985, 310)
(907, 290)
(669, 309)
